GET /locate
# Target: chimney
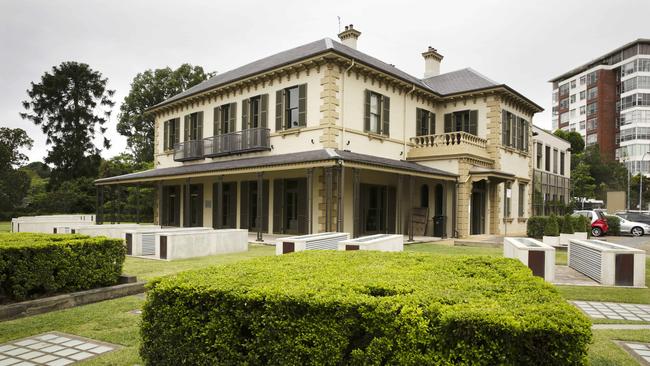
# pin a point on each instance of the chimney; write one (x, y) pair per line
(349, 36)
(431, 62)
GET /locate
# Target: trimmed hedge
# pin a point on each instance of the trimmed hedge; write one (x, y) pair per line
(566, 225)
(536, 225)
(336, 308)
(38, 264)
(552, 228)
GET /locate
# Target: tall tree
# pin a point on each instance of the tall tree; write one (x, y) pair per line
(574, 138)
(14, 184)
(70, 104)
(584, 185)
(148, 89)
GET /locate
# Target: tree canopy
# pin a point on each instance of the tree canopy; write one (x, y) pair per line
(70, 104)
(149, 88)
(14, 183)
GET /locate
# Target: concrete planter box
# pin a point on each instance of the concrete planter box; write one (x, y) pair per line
(537, 256)
(142, 241)
(564, 238)
(179, 245)
(380, 242)
(608, 263)
(321, 241)
(48, 224)
(115, 231)
(553, 241)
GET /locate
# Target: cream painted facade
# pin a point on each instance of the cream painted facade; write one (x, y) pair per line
(464, 180)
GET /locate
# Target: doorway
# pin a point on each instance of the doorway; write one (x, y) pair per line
(377, 209)
(171, 208)
(249, 206)
(226, 218)
(195, 217)
(290, 206)
(477, 208)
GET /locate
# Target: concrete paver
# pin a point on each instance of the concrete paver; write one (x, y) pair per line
(53, 348)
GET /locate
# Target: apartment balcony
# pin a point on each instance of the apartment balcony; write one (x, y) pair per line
(250, 140)
(447, 145)
(188, 150)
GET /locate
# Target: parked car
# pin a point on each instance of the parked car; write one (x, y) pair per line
(599, 224)
(635, 216)
(633, 227)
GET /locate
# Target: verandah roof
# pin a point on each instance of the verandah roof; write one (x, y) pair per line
(259, 163)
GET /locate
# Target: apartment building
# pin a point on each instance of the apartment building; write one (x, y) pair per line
(324, 137)
(551, 173)
(607, 100)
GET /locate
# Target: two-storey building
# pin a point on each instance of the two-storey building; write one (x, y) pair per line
(324, 137)
(552, 173)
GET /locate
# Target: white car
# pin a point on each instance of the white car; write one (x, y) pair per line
(634, 228)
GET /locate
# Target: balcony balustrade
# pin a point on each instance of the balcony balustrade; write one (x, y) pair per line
(250, 140)
(188, 150)
(447, 145)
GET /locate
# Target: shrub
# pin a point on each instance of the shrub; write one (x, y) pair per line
(37, 264)
(337, 308)
(581, 224)
(614, 223)
(567, 225)
(535, 226)
(552, 228)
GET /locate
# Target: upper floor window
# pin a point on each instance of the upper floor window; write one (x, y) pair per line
(562, 163)
(224, 118)
(592, 108)
(171, 135)
(583, 95)
(521, 199)
(547, 165)
(539, 155)
(193, 126)
(564, 103)
(592, 78)
(425, 122)
(583, 110)
(514, 131)
(555, 161)
(291, 107)
(466, 121)
(628, 68)
(592, 93)
(573, 84)
(254, 112)
(377, 113)
(583, 80)
(573, 98)
(564, 89)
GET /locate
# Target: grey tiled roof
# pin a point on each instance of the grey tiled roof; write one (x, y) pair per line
(449, 83)
(459, 81)
(274, 160)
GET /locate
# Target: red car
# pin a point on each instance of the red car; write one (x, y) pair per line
(599, 224)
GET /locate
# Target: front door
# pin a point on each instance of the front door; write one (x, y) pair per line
(224, 210)
(171, 208)
(196, 205)
(290, 206)
(249, 205)
(478, 209)
(377, 209)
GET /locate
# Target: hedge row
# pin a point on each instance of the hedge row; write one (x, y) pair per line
(538, 226)
(370, 308)
(38, 264)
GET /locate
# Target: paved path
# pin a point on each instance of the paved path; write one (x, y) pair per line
(640, 351)
(620, 326)
(53, 349)
(614, 310)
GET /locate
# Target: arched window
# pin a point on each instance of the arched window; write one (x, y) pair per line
(424, 196)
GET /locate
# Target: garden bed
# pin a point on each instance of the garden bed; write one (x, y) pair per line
(361, 308)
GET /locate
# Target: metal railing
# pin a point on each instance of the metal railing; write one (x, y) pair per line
(253, 139)
(188, 150)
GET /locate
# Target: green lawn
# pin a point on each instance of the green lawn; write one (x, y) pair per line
(110, 321)
(147, 269)
(5, 226)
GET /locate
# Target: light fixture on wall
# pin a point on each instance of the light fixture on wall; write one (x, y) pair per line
(312, 141)
(348, 144)
(271, 147)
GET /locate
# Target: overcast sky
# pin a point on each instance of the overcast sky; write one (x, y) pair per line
(520, 43)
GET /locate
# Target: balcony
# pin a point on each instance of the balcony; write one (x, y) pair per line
(188, 150)
(448, 145)
(254, 139)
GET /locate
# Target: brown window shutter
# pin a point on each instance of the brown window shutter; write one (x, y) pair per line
(245, 108)
(366, 113)
(279, 110)
(233, 117)
(385, 115)
(177, 131)
(448, 124)
(166, 135)
(525, 135)
(432, 123)
(302, 105)
(278, 206)
(244, 205)
(264, 101)
(216, 124)
(504, 128)
(186, 127)
(199, 127)
(418, 121)
(473, 122)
